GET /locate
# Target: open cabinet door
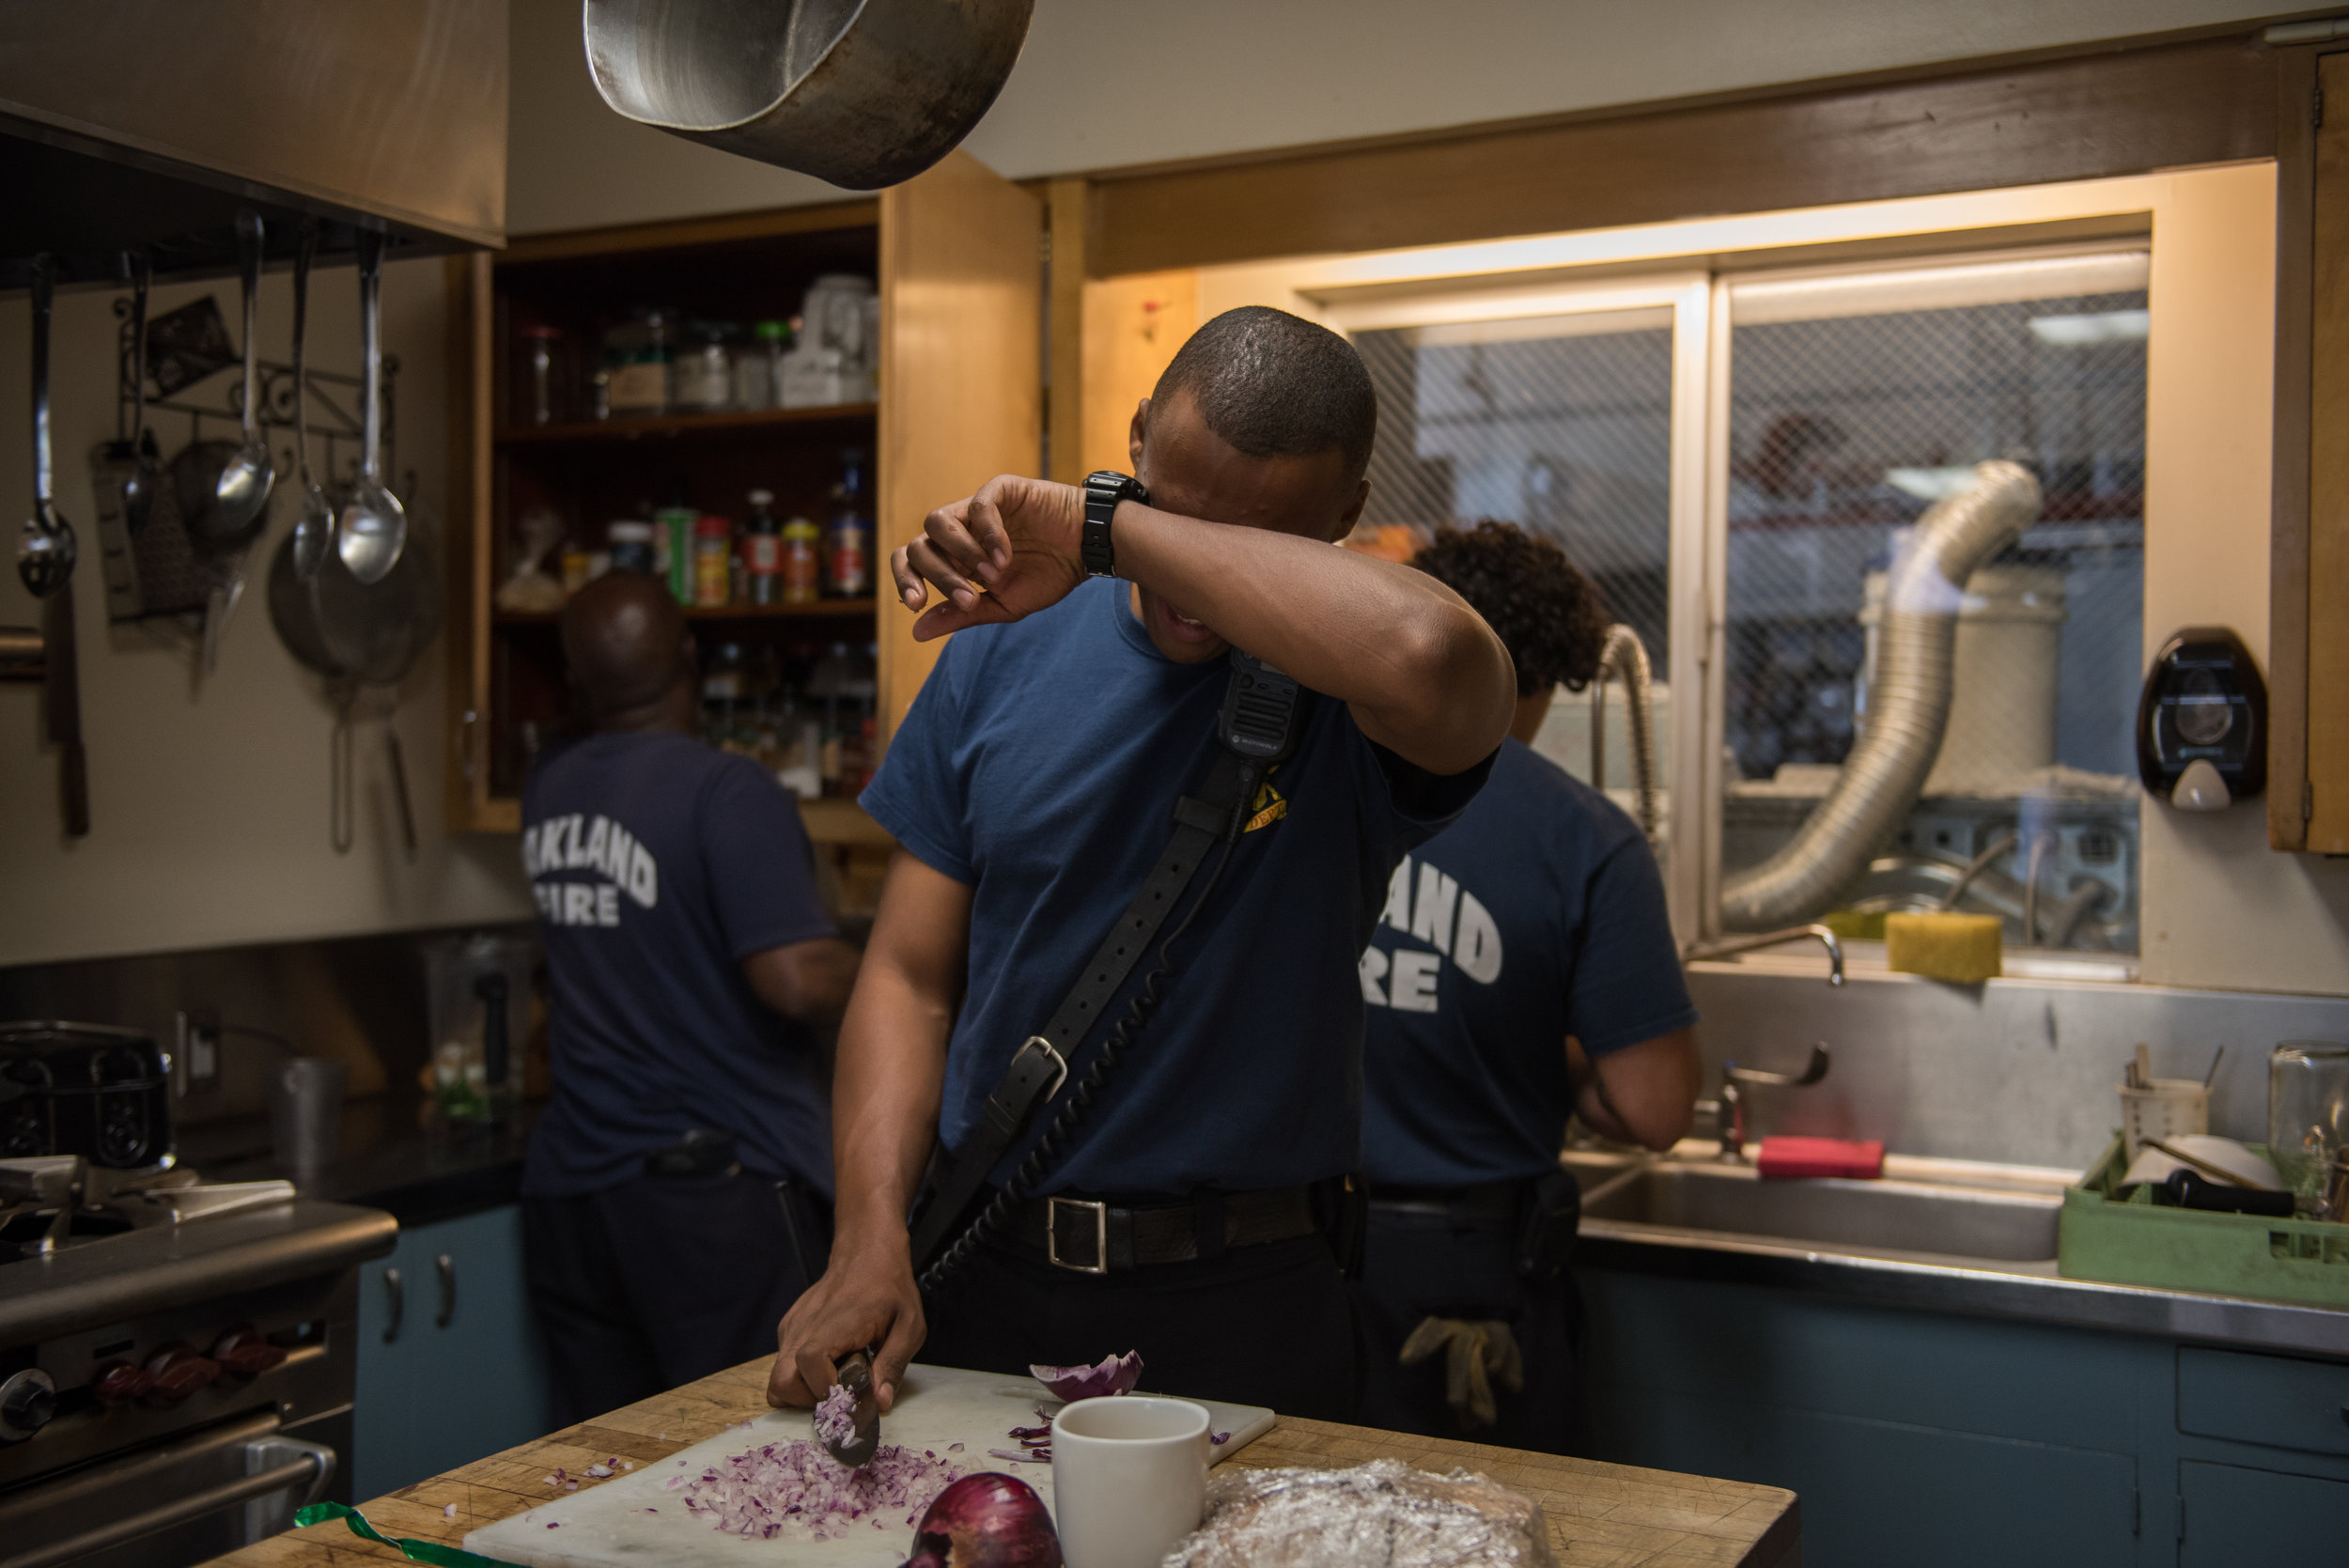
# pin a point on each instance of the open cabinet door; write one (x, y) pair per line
(961, 382)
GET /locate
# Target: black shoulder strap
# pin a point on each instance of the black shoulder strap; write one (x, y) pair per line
(1256, 728)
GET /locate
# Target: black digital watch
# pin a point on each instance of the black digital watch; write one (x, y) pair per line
(1104, 490)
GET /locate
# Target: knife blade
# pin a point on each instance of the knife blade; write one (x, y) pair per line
(856, 1376)
(62, 698)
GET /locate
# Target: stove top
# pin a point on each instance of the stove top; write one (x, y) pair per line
(50, 1203)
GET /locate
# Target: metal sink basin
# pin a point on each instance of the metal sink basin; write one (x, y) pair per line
(2012, 1221)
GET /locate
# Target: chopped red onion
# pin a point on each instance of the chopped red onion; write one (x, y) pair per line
(1007, 1454)
(1117, 1375)
(1219, 1439)
(835, 1418)
(796, 1489)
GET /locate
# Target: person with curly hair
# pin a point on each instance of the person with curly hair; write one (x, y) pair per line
(1523, 970)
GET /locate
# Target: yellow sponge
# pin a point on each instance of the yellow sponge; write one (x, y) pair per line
(1963, 949)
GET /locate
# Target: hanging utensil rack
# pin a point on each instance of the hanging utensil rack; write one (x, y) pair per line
(157, 574)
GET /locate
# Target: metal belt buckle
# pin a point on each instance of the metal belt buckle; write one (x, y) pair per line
(1100, 1263)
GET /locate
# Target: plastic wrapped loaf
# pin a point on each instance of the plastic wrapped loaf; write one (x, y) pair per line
(1381, 1514)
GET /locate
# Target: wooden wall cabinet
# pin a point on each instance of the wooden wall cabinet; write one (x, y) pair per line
(2307, 774)
(956, 257)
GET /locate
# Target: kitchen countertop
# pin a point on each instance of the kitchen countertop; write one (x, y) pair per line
(387, 1160)
(1988, 1287)
(1598, 1514)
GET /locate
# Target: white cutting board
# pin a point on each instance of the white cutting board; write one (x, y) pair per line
(606, 1524)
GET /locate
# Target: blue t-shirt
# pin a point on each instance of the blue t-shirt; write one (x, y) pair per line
(1539, 914)
(1040, 766)
(660, 865)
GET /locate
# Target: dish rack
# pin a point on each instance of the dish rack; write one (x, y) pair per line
(2130, 1240)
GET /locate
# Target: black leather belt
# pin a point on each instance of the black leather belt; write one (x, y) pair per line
(1088, 1236)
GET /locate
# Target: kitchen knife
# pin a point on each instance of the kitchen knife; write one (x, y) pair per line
(856, 1376)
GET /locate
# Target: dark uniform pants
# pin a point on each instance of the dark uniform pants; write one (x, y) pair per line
(1273, 1325)
(1419, 1264)
(664, 1279)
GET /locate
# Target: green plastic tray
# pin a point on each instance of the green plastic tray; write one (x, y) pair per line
(2131, 1241)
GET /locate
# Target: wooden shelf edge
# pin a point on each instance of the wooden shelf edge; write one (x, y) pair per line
(831, 819)
(622, 428)
(822, 610)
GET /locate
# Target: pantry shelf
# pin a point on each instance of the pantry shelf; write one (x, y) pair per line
(822, 610)
(617, 430)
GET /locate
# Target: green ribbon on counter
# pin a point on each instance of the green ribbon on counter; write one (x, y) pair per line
(415, 1551)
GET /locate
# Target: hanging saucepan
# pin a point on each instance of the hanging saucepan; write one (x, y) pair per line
(862, 93)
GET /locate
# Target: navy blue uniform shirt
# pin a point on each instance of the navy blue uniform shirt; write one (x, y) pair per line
(1040, 766)
(660, 865)
(1539, 914)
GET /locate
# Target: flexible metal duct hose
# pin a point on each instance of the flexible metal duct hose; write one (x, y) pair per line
(1625, 657)
(1908, 705)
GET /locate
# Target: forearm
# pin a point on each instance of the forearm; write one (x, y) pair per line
(1425, 674)
(887, 1083)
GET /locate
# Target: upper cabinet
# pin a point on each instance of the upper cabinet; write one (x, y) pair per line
(2307, 775)
(623, 378)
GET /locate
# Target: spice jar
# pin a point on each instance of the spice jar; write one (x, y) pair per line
(802, 562)
(713, 551)
(636, 355)
(703, 379)
(631, 546)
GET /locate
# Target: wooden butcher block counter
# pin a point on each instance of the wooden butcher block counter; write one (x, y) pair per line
(1600, 1516)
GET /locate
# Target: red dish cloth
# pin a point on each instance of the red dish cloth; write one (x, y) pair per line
(1820, 1157)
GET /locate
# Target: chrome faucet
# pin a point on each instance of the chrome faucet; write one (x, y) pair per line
(1729, 1109)
(1726, 946)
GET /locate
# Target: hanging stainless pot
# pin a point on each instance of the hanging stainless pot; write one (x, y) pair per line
(862, 93)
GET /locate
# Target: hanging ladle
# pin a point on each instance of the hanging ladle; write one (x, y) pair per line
(314, 530)
(243, 488)
(146, 473)
(45, 548)
(374, 525)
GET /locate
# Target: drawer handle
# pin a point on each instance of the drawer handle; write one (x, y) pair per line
(447, 1266)
(396, 1300)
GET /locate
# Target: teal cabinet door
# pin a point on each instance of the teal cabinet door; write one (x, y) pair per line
(381, 1428)
(451, 1365)
(2234, 1515)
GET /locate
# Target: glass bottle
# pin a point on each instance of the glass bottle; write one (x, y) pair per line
(544, 398)
(2308, 1117)
(703, 381)
(713, 550)
(848, 534)
(803, 566)
(762, 549)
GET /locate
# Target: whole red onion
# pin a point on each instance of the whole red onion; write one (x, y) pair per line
(986, 1521)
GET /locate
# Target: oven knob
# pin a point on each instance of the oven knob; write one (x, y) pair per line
(242, 1350)
(27, 1401)
(119, 1383)
(179, 1372)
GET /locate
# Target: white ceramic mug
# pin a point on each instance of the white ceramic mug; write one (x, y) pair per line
(1129, 1479)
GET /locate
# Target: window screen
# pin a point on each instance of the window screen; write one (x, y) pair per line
(1855, 403)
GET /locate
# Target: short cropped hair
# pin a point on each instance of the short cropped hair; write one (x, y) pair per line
(1276, 385)
(1552, 618)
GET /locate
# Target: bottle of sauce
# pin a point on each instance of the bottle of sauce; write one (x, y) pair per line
(849, 536)
(762, 550)
(803, 570)
(713, 550)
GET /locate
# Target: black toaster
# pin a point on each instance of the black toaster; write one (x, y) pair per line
(84, 1089)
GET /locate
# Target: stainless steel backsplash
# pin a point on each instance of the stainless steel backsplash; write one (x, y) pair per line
(2023, 1071)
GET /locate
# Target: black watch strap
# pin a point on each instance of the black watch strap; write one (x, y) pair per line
(1104, 490)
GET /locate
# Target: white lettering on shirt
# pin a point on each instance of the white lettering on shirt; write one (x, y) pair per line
(1414, 988)
(1443, 914)
(1431, 918)
(598, 844)
(1398, 913)
(1476, 946)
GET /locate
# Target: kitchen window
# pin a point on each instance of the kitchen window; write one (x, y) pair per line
(1738, 458)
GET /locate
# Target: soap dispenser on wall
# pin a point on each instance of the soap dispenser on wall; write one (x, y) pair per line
(2201, 723)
